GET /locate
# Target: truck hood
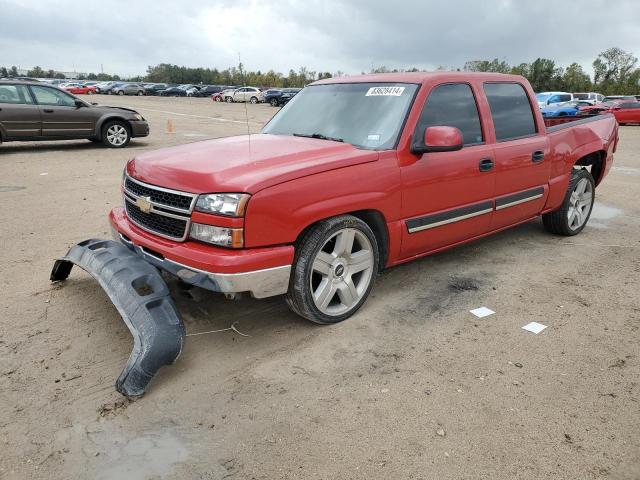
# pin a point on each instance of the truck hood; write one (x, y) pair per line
(243, 163)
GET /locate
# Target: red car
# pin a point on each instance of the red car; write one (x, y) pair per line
(78, 89)
(624, 111)
(356, 175)
(219, 97)
(627, 112)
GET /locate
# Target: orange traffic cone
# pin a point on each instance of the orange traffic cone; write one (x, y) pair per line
(169, 128)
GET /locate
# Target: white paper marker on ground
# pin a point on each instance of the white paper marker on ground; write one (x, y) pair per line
(534, 327)
(482, 312)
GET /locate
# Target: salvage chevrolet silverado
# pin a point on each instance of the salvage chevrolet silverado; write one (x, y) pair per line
(358, 174)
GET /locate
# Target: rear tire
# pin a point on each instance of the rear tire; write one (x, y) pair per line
(116, 134)
(140, 93)
(334, 270)
(573, 215)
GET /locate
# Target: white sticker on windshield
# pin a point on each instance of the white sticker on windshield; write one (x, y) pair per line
(385, 91)
(375, 138)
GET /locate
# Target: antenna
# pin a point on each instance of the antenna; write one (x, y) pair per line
(246, 113)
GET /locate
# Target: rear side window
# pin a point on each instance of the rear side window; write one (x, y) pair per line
(510, 110)
(16, 94)
(452, 105)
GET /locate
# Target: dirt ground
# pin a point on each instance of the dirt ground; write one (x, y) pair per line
(412, 387)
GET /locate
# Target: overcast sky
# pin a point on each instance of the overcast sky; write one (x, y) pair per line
(330, 35)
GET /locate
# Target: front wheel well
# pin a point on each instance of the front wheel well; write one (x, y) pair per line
(113, 119)
(596, 161)
(376, 222)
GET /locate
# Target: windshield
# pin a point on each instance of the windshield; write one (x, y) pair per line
(366, 115)
(581, 96)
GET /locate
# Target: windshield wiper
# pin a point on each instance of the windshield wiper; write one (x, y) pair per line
(318, 135)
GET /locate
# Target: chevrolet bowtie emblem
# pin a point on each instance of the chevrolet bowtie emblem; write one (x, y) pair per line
(144, 204)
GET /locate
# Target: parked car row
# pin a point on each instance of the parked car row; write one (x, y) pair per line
(626, 109)
(552, 99)
(276, 97)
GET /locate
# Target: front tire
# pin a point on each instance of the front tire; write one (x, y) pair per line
(334, 270)
(228, 100)
(573, 215)
(273, 102)
(253, 100)
(116, 134)
(121, 92)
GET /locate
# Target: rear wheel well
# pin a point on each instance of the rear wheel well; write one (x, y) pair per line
(594, 160)
(376, 222)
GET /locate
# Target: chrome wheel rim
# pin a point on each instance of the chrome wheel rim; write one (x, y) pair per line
(341, 272)
(580, 204)
(117, 135)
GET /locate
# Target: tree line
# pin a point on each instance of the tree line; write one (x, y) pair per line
(615, 71)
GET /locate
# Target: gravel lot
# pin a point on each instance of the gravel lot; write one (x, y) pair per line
(412, 387)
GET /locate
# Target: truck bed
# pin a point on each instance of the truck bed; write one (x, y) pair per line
(552, 122)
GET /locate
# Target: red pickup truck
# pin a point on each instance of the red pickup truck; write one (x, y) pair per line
(357, 174)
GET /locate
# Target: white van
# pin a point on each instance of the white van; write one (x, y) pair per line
(590, 97)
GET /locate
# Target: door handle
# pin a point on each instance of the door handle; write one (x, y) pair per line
(48, 110)
(537, 156)
(486, 164)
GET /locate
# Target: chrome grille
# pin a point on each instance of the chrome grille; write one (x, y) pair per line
(167, 226)
(173, 199)
(169, 214)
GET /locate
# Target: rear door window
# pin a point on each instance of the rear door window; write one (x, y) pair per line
(15, 94)
(511, 111)
(452, 105)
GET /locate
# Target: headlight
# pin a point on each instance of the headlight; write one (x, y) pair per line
(225, 237)
(231, 204)
(137, 116)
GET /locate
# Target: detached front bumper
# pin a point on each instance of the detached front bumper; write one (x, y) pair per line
(262, 272)
(143, 301)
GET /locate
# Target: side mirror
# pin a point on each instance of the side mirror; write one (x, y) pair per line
(438, 139)
(79, 103)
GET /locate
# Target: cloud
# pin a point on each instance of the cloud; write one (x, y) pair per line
(347, 35)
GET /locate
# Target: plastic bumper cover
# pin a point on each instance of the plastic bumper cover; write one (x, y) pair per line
(141, 297)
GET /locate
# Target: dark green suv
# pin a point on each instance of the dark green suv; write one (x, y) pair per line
(38, 111)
